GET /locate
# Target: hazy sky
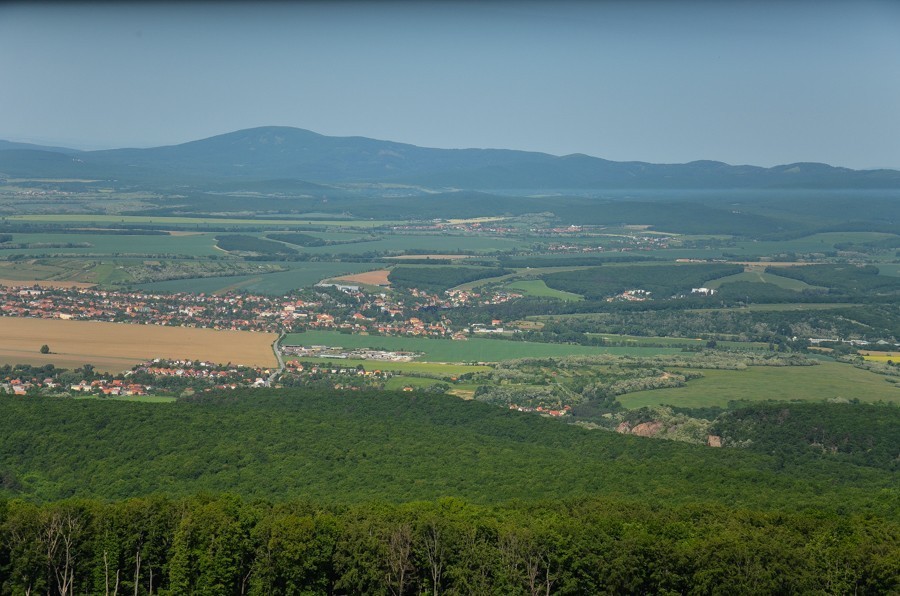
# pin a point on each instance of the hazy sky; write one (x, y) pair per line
(741, 82)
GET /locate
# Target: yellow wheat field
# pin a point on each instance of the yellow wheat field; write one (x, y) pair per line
(116, 347)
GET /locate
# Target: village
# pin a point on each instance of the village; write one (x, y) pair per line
(161, 377)
(340, 307)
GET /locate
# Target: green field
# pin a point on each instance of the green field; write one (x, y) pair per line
(829, 380)
(211, 221)
(403, 368)
(301, 275)
(760, 277)
(537, 287)
(816, 243)
(112, 244)
(438, 244)
(892, 269)
(472, 350)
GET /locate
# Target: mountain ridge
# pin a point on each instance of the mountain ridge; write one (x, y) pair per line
(278, 152)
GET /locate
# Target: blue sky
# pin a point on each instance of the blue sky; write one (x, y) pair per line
(742, 82)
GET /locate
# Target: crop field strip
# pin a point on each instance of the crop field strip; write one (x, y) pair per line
(210, 221)
(472, 350)
(115, 347)
(827, 381)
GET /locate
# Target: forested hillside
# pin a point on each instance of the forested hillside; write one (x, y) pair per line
(353, 447)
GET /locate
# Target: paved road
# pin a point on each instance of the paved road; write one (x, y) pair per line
(275, 348)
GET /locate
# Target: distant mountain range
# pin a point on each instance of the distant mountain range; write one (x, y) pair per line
(284, 153)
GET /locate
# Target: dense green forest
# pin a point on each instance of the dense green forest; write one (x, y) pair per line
(359, 446)
(228, 545)
(865, 436)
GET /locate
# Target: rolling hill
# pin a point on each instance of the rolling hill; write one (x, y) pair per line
(291, 153)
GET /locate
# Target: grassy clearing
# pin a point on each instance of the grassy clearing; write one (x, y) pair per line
(537, 287)
(473, 350)
(526, 274)
(115, 347)
(211, 221)
(758, 276)
(830, 380)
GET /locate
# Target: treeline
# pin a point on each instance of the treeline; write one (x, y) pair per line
(225, 545)
(570, 261)
(871, 321)
(438, 279)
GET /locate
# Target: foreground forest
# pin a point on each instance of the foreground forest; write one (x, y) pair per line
(228, 545)
(316, 492)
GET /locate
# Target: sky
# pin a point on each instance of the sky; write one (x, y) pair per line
(744, 82)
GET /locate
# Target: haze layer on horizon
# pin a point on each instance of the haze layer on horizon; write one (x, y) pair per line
(742, 82)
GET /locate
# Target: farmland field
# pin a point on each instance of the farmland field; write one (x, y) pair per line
(111, 244)
(372, 278)
(829, 380)
(301, 275)
(424, 242)
(758, 276)
(880, 356)
(115, 347)
(211, 221)
(892, 269)
(537, 287)
(448, 350)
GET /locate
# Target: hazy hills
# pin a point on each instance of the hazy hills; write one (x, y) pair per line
(290, 153)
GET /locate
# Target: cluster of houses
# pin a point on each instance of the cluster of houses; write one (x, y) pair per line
(542, 410)
(106, 387)
(631, 296)
(227, 311)
(218, 375)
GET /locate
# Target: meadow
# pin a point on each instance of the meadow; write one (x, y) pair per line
(537, 287)
(115, 347)
(755, 275)
(827, 381)
(472, 350)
